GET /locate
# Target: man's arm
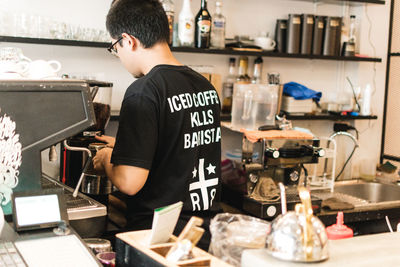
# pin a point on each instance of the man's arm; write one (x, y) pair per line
(128, 179)
(109, 140)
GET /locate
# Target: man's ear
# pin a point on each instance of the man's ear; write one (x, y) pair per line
(131, 41)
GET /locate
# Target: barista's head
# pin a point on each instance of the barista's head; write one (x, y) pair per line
(141, 24)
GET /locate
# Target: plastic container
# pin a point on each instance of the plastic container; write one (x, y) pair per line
(339, 230)
(242, 106)
(366, 101)
(254, 105)
(231, 234)
(265, 105)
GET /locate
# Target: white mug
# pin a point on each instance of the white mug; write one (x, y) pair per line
(41, 69)
(264, 42)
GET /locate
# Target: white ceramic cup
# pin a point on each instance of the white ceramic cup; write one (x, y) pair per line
(264, 42)
(42, 69)
(14, 67)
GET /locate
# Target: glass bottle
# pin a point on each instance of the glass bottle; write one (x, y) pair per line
(218, 27)
(186, 25)
(202, 34)
(352, 31)
(257, 70)
(243, 66)
(227, 87)
(168, 6)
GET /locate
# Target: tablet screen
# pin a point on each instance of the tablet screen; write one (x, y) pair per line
(38, 210)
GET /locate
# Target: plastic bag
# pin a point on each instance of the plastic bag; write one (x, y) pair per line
(233, 233)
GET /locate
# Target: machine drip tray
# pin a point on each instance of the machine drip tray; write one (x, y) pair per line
(270, 210)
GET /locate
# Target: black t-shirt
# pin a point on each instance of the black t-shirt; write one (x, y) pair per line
(170, 125)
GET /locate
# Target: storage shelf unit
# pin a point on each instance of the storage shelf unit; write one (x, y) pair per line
(227, 117)
(187, 49)
(28, 40)
(330, 117)
(269, 54)
(379, 2)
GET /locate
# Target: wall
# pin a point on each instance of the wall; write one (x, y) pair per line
(248, 17)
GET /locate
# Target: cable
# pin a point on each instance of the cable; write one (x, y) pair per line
(372, 45)
(388, 224)
(354, 94)
(305, 174)
(347, 161)
(352, 152)
(344, 127)
(356, 132)
(355, 129)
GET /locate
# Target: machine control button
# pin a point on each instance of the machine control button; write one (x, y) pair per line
(320, 152)
(294, 176)
(272, 153)
(271, 211)
(253, 178)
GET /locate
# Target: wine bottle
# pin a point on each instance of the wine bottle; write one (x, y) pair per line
(227, 87)
(243, 66)
(257, 70)
(202, 34)
(186, 25)
(168, 6)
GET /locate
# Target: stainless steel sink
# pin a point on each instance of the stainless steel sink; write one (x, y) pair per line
(372, 192)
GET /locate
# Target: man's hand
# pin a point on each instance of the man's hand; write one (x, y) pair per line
(109, 140)
(128, 179)
(101, 159)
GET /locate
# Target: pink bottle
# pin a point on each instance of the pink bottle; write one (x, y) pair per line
(339, 230)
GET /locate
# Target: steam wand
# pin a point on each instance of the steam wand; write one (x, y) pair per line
(83, 149)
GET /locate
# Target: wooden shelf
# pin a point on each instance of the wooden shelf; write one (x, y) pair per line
(187, 49)
(323, 116)
(330, 117)
(28, 40)
(269, 54)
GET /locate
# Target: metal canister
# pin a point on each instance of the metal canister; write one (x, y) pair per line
(93, 182)
(98, 245)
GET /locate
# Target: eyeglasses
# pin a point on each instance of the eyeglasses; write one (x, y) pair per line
(112, 49)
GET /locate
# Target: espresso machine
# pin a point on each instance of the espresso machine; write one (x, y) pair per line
(76, 168)
(35, 115)
(268, 162)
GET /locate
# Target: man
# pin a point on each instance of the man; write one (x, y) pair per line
(167, 148)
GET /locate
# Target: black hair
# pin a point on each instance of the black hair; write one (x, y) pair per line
(144, 19)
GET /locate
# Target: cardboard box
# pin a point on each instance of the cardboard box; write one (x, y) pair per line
(291, 105)
(215, 80)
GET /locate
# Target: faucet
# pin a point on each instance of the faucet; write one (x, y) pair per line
(346, 134)
(328, 143)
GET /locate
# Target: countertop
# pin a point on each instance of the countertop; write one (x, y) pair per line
(363, 219)
(368, 250)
